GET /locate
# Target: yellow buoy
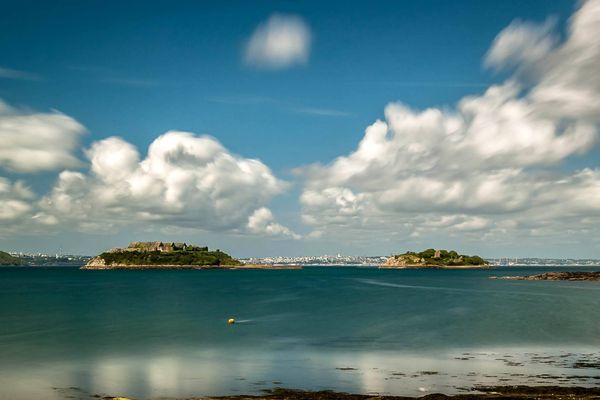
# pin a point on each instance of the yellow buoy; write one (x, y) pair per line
(231, 321)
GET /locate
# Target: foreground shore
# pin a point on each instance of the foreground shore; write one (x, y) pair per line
(476, 393)
(501, 392)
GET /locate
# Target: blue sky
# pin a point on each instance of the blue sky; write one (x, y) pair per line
(137, 69)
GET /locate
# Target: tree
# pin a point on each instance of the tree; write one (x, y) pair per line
(429, 253)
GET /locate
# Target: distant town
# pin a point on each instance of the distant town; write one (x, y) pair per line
(60, 260)
(318, 260)
(341, 260)
(550, 262)
(65, 260)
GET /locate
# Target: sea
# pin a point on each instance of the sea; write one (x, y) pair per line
(70, 333)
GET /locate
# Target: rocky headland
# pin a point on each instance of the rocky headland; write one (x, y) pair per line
(8, 260)
(432, 258)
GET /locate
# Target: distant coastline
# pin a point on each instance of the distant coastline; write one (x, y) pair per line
(38, 259)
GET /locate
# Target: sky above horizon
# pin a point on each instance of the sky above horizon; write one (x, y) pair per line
(302, 128)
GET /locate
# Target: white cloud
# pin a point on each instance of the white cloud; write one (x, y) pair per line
(19, 210)
(14, 200)
(565, 75)
(279, 42)
(185, 181)
(481, 168)
(569, 82)
(33, 142)
(324, 112)
(10, 73)
(522, 44)
(262, 222)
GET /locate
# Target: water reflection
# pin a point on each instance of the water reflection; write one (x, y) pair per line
(195, 373)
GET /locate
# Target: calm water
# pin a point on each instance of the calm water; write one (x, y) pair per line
(147, 334)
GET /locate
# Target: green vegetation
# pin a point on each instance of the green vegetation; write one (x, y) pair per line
(440, 257)
(7, 259)
(202, 256)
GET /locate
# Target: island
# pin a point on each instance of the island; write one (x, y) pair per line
(8, 260)
(556, 276)
(170, 255)
(432, 258)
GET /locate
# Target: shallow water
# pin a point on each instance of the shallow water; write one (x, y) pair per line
(164, 333)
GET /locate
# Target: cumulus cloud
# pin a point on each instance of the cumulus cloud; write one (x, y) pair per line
(280, 42)
(14, 200)
(33, 142)
(569, 82)
(565, 75)
(522, 44)
(185, 181)
(482, 167)
(262, 222)
(19, 211)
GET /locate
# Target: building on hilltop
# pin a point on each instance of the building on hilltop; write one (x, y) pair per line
(162, 247)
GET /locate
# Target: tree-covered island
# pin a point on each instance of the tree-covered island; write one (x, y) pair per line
(432, 258)
(161, 255)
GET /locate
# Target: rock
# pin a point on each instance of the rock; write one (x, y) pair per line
(556, 276)
(96, 263)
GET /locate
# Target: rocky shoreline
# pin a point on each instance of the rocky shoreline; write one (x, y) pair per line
(474, 393)
(555, 276)
(496, 392)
